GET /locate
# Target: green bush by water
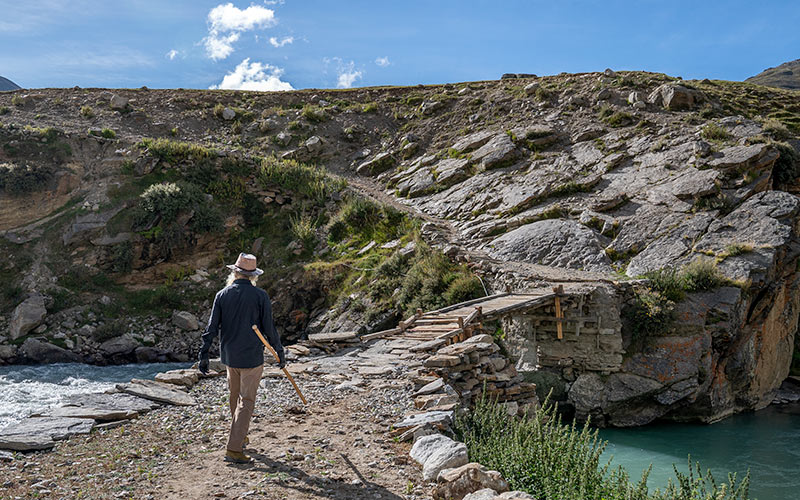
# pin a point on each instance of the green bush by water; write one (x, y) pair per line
(553, 461)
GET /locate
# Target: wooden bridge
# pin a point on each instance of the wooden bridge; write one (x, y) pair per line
(454, 323)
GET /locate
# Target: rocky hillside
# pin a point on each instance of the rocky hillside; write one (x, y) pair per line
(6, 84)
(785, 76)
(120, 208)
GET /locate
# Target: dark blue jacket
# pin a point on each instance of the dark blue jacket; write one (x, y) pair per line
(236, 309)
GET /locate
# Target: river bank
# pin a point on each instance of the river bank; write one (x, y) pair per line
(26, 389)
(333, 449)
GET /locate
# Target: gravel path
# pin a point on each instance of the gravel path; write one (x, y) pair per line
(335, 448)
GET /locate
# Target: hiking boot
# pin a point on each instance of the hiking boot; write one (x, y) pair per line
(237, 457)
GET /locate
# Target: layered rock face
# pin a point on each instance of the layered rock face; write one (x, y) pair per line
(590, 180)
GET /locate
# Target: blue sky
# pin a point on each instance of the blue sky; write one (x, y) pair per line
(272, 45)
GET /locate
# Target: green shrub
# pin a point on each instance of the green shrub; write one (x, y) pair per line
(176, 152)
(106, 133)
(713, 132)
(608, 115)
(787, 166)
(22, 179)
(361, 217)
(165, 201)
(313, 114)
(4, 110)
(307, 180)
(370, 107)
(122, 257)
(87, 112)
(734, 249)
(303, 228)
(702, 275)
(777, 130)
(218, 109)
(463, 288)
(427, 282)
(17, 101)
(669, 282)
(542, 456)
(651, 314)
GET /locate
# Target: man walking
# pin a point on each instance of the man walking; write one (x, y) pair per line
(238, 307)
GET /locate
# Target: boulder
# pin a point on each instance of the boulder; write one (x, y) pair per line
(451, 171)
(185, 320)
(515, 495)
(437, 452)
(313, 145)
(531, 88)
(118, 103)
(112, 402)
(27, 316)
(7, 352)
(39, 433)
(101, 414)
(676, 97)
(380, 163)
(418, 183)
(455, 484)
(36, 351)
(742, 158)
(86, 224)
(186, 378)
(157, 391)
(553, 242)
(499, 151)
(484, 494)
(124, 344)
(439, 419)
(228, 114)
(430, 388)
(472, 141)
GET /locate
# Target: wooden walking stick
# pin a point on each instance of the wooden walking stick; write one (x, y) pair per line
(278, 359)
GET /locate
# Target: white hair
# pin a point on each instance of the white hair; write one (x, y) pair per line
(238, 276)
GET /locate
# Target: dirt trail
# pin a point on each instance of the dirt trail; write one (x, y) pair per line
(335, 448)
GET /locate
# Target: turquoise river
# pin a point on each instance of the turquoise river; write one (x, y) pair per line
(765, 442)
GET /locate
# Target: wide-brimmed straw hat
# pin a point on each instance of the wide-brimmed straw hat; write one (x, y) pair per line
(246, 264)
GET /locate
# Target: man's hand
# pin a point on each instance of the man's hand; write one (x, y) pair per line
(282, 364)
(203, 365)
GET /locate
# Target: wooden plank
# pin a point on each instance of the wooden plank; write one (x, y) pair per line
(559, 290)
(467, 303)
(329, 337)
(450, 334)
(381, 334)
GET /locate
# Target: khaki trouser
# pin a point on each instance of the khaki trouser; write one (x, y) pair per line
(243, 384)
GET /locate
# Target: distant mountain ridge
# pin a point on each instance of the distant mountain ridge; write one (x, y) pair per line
(785, 76)
(6, 84)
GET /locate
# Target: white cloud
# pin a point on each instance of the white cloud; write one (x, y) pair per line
(347, 73)
(254, 76)
(227, 22)
(347, 79)
(280, 43)
(172, 54)
(382, 61)
(220, 47)
(227, 17)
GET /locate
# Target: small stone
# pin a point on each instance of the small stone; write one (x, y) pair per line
(185, 320)
(228, 114)
(118, 103)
